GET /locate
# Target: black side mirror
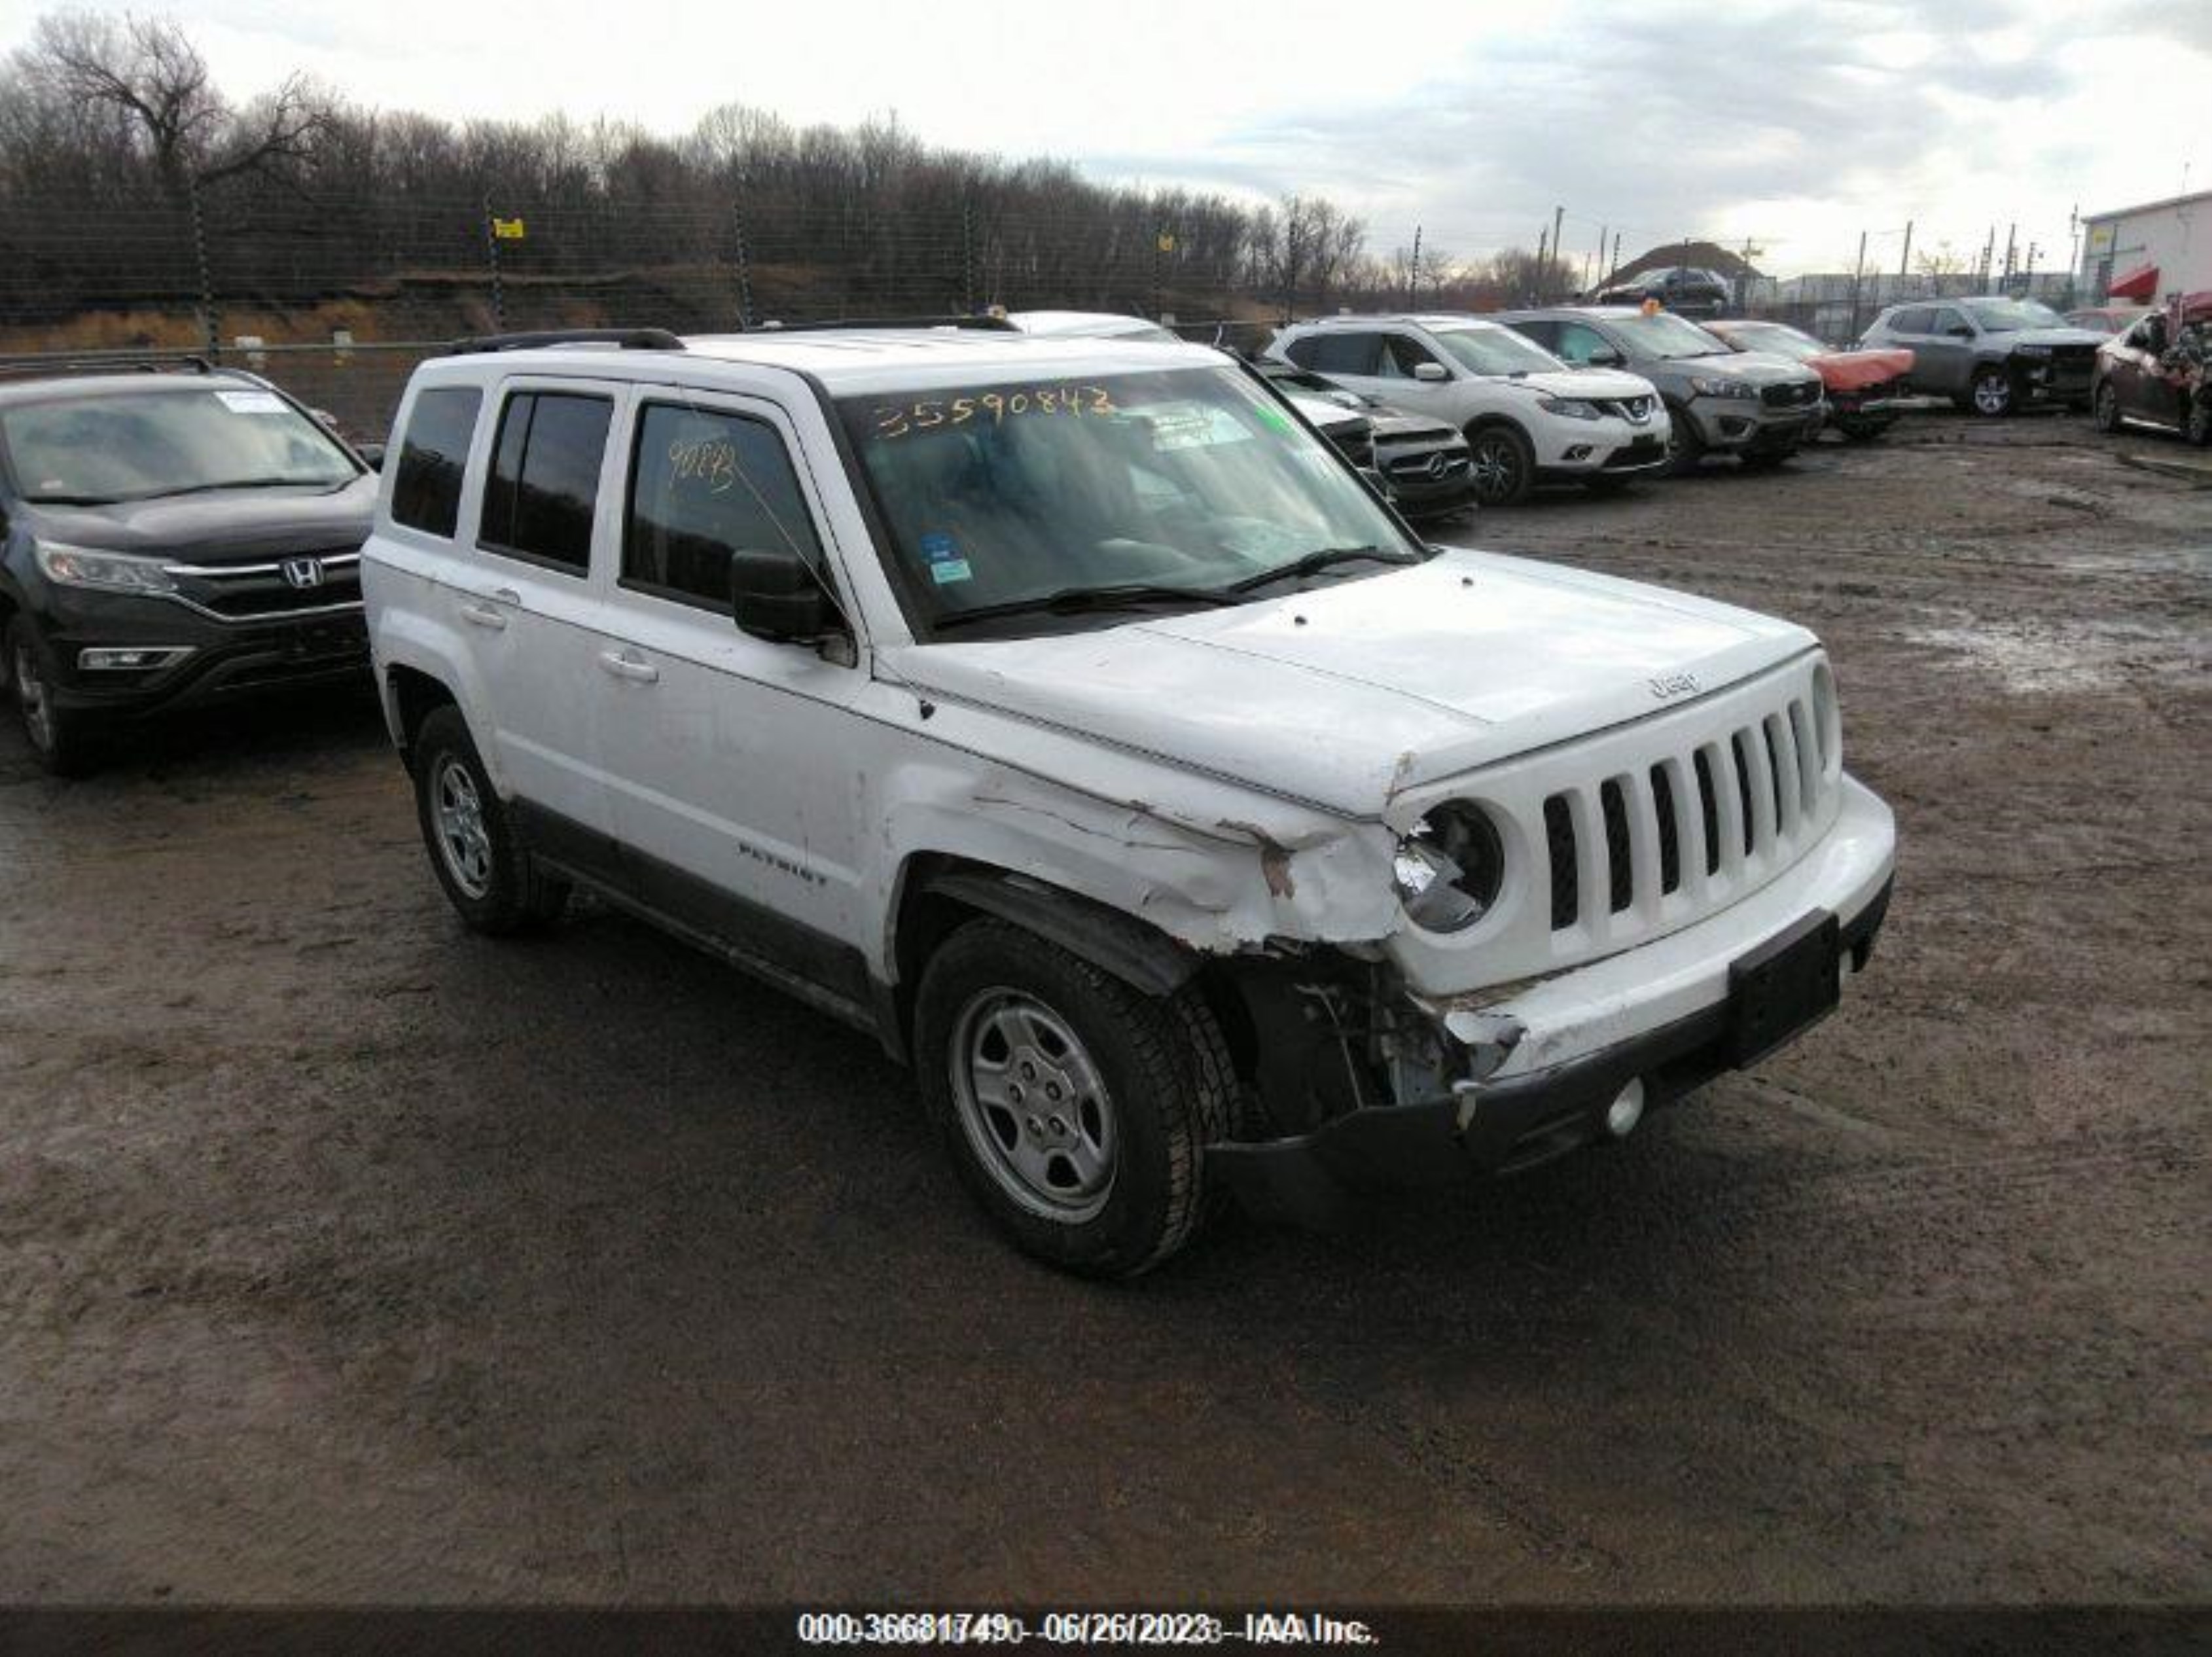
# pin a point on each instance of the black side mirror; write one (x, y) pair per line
(371, 455)
(776, 594)
(1959, 330)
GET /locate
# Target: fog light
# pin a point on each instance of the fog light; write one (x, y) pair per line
(1625, 1111)
(1580, 451)
(138, 658)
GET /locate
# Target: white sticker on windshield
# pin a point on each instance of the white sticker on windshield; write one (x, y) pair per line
(253, 403)
(1188, 426)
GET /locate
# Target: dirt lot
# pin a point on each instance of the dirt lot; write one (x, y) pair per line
(347, 1258)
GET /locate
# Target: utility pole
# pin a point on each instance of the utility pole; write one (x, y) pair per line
(1905, 259)
(744, 266)
(1414, 274)
(1858, 274)
(1603, 231)
(1541, 265)
(1557, 253)
(2012, 233)
(1613, 270)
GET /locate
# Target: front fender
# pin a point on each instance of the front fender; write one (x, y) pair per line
(1216, 869)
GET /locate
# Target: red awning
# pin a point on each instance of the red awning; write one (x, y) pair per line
(2140, 284)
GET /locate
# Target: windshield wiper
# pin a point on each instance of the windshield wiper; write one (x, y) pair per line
(1078, 601)
(1315, 561)
(253, 483)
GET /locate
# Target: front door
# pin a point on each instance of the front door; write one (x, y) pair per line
(738, 766)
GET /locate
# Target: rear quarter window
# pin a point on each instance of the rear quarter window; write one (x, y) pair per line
(433, 457)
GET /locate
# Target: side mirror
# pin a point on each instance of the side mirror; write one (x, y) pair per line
(371, 455)
(1959, 330)
(776, 594)
(1431, 372)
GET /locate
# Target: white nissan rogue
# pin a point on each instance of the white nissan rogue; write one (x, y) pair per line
(1071, 717)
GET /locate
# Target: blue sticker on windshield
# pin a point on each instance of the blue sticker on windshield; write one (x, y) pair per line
(945, 563)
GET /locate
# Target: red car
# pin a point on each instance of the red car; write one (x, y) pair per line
(1863, 387)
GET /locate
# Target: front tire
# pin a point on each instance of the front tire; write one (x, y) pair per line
(1685, 444)
(63, 739)
(2106, 409)
(1992, 393)
(1504, 466)
(1077, 1109)
(494, 884)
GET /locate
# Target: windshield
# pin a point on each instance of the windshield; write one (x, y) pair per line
(1190, 480)
(135, 446)
(2009, 316)
(1663, 334)
(1775, 337)
(1495, 350)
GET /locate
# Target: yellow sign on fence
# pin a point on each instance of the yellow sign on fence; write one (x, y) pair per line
(507, 229)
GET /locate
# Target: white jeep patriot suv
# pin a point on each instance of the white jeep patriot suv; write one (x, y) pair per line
(1071, 717)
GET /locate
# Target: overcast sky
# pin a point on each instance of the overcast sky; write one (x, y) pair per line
(1794, 126)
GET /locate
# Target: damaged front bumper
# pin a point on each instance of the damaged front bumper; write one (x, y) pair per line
(1548, 1063)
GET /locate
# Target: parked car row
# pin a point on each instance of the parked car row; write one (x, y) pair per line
(2158, 372)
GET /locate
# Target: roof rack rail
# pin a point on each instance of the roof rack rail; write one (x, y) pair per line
(627, 339)
(107, 362)
(986, 324)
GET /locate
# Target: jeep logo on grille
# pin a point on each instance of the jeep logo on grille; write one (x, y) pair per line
(1668, 685)
(303, 572)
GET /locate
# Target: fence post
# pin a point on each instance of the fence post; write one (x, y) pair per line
(491, 261)
(744, 267)
(1414, 274)
(211, 323)
(967, 255)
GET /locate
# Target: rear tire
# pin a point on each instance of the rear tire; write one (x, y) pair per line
(494, 884)
(1105, 1176)
(64, 740)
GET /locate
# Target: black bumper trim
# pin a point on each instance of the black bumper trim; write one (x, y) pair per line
(1315, 1179)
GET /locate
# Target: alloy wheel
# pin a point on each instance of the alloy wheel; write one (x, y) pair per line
(1992, 394)
(1034, 1106)
(463, 840)
(1496, 467)
(33, 699)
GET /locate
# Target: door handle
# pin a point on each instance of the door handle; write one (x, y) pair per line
(483, 616)
(624, 665)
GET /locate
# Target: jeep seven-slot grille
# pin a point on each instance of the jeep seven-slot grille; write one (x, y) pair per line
(1740, 796)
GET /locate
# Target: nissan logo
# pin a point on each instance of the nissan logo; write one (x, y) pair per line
(303, 572)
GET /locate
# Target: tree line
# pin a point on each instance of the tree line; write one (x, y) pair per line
(127, 178)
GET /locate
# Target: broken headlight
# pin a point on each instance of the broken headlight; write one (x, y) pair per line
(1447, 872)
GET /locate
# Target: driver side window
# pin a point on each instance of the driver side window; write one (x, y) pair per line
(1580, 343)
(1401, 355)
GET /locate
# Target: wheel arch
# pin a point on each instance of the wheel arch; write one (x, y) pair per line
(410, 696)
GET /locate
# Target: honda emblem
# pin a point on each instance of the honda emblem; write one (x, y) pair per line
(303, 572)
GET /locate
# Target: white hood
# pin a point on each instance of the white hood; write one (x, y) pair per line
(1342, 696)
(1591, 382)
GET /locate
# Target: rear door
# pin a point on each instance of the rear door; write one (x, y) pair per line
(528, 601)
(738, 766)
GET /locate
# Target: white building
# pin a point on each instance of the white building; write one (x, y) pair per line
(2170, 238)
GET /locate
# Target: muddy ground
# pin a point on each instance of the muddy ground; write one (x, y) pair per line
(344, 1257)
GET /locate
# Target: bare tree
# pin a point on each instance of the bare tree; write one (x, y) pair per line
(147, 70)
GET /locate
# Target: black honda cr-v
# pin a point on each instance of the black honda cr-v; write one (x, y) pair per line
(168, 539)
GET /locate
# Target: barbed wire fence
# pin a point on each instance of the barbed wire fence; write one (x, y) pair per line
(338, 301)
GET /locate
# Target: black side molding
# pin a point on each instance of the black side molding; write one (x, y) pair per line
(1144, 959)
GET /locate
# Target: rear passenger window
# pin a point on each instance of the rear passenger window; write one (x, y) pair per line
(1911, 322)
(544, 477)
(434, 456)
(702, 485)
(1341, 354)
